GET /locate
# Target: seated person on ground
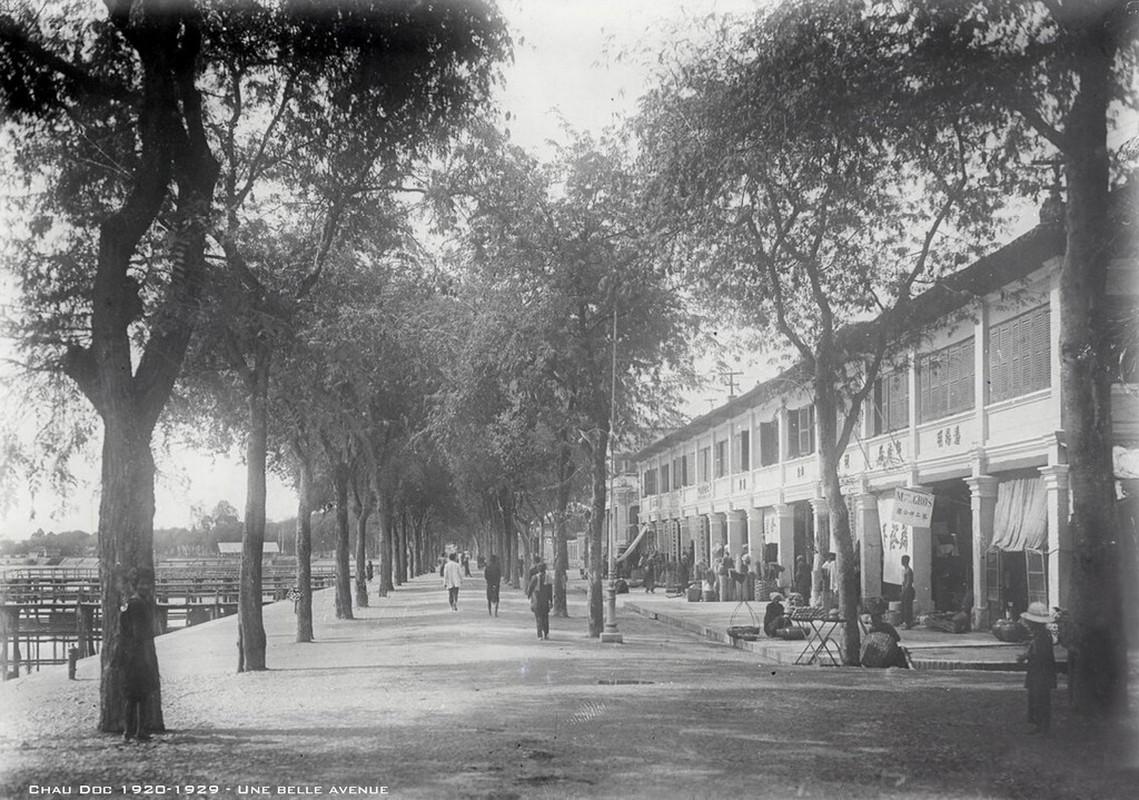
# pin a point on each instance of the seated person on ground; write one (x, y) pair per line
(775, 618)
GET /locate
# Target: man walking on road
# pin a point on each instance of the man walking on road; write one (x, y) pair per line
(452, 579)
(493, 575)
(538, 590)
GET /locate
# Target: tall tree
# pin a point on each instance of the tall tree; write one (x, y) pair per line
(126, 80)
(1052, 71)
(589, 305)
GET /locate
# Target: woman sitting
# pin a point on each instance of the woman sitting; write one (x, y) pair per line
(776, 616)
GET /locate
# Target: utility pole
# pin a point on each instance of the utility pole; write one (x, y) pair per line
(609, 633)
(731, 379)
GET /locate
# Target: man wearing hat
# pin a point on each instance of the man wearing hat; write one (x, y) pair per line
(1040, 678)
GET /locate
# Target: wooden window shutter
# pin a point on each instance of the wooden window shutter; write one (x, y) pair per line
(810, 413)
(998, 368)
(968, 372)
(956, 395)
(1041, 350)
(924, 409)
(899, 406)
(793, 434)
(1015, 383)
(993, 584)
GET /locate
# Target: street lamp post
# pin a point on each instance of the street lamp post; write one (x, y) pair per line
(609, 633)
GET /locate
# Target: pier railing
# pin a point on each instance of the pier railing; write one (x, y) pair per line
(48, 611)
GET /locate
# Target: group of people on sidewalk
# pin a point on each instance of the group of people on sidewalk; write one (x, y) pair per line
(539, 589)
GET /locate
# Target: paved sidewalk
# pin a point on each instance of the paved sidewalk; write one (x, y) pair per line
(929, 648)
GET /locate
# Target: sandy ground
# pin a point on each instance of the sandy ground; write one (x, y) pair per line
(411, 700)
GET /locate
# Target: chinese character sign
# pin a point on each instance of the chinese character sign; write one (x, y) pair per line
(912, 507)
(897, 540)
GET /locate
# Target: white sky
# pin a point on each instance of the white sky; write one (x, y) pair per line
(577, 60)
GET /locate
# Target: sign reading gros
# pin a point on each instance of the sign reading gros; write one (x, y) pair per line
(912, 507)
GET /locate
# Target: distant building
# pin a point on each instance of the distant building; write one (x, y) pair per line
(233, 549)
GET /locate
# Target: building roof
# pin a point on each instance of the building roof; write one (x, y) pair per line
(1015, 261)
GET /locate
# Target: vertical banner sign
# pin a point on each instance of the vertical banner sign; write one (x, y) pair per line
(912, 508)
(897, 540)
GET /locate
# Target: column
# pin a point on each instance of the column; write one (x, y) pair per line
(981, 370)
(716, 535)
(823, 542)
(983, 489)
(682, 527)
(717, 531)
(1060, 545)
(866, 508)
(785, 535)
(738, 534)
(756, 540)
(695, 527)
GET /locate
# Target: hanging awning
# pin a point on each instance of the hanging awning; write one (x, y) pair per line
(1125, 462)
(1020, 521)
(633, 545)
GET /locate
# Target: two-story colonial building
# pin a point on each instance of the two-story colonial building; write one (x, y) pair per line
(972, 415)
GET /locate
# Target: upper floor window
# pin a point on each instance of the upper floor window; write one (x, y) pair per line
(891, 403)
(664, 484)
(768, 443)
(721, 462)
(649, 483)
(702, 465)
(945, 381)
(1020, 355)
(743, 451)
(801, 431)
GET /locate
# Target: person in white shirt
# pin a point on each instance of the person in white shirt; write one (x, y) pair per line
(453, 579)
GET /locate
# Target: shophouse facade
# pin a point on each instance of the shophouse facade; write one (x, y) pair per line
(972, 415)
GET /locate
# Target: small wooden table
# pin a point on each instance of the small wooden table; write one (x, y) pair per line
(821, 647)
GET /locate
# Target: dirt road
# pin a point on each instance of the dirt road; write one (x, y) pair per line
(412, 700)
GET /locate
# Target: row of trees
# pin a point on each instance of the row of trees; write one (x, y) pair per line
(224, 230)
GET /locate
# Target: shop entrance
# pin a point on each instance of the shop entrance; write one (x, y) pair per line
(951, 532)
(1015, 579)
(804, 531)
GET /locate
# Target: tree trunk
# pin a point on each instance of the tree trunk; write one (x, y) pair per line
(340, 476)
(596, 528)
(126, 542)
(304, 549)
(837, 528)
(385, 550)
(1098, 666)
(401, 548)
(250, 619)
(561, 546)
(363, 511)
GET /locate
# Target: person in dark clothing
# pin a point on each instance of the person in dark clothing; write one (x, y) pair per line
(370, 570)
(802, 578)
(493, 575)
(908, 593)
(881, 647)
(538, 590)
(136, 657)
(775, 617)
(650, 576)
(466, 565)
(1040, 678)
